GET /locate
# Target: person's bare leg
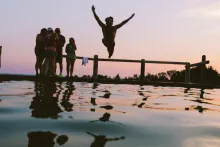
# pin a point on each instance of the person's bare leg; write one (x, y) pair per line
(36, 66)
(41, 67)
(44, 67)
(54, 65)
(72, 67)
(50, 66)
(61, 67)
(68, 68)
(110, 51)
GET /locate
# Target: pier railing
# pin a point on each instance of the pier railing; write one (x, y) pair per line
(143, 62)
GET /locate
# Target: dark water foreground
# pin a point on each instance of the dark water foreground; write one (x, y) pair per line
(46, 114)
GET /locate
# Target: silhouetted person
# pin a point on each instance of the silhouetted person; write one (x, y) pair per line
(70, 57)
(59, 49)
(101, 140)
(109, 31)
(40, 50)
(50, 53)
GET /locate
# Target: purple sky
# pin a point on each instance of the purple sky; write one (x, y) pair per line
(170, 30)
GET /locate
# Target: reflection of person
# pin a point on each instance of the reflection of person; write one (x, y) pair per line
(41, 139)
(105, 118)
(65, 102)
(202, 93)
(44, 104)
(45, 139)
(109, 31)
(101, 140)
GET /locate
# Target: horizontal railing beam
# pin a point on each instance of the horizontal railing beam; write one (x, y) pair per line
(135, 61)
(200, 63)
(166, 62)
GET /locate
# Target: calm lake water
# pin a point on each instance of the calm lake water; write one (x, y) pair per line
(86, 115)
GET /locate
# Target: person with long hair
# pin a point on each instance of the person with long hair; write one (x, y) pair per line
(40, 50)
(71, 56)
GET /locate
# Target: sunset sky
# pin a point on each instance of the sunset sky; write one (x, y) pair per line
(163, 30)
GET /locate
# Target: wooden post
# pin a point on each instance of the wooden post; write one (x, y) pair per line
(0, 56)
(142, 76)
(95, 68)
(187, 74)
(203, 68)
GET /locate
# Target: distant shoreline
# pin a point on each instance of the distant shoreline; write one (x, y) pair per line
(20, 77)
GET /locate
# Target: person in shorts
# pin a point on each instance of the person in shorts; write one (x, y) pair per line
(71, 57)
(109, 31)
(59, 49)
(50, 53)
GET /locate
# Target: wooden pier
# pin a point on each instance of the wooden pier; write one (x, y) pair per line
(142, 81)
(143, 62)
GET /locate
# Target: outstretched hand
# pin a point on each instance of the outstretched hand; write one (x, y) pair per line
(93, 8)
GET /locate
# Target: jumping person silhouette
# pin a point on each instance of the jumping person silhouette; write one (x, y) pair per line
(109, 31)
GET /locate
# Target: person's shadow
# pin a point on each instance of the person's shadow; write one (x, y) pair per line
(101, 140)
(45, 139)
(45, 104)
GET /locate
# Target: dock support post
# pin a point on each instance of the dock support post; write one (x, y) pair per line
(187, 74)
(203, 68)
(142, 76)
(95, 68)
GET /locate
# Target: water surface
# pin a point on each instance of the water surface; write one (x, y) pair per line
(83, 114)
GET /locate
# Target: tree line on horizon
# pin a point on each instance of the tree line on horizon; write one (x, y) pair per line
(211, 76)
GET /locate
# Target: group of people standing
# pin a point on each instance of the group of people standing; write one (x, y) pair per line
(49, 46)
(49, 53)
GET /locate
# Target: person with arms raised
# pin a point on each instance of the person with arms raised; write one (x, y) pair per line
(109, 31)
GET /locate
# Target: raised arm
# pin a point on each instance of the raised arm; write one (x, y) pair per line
(101, 24)
(125, 21)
